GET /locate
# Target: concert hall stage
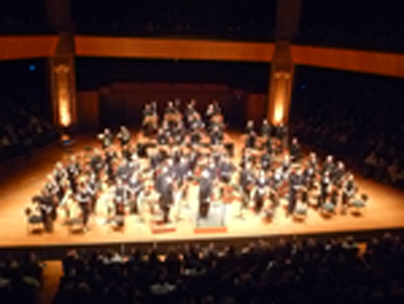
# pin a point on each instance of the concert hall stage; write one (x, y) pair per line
(20, 181)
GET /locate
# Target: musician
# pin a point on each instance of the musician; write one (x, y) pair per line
(216, 136)
(338, 174)
(295, 185)
(348, 192)
(205, 193)
(45, 205)
(313, 162)
(226, 168)
(163, 137)
(97, 163)
(149, 118)
(94, 185)
(269, 146)
(135, 186)
(246, 181)
(325, 188)
(53, 190)
(251, 140)
(110, 165)
(195, 137)
(328, 165)
(124, 137)
(281, 135)
(247, 158)
(121, 196)
(59, 173)
(260, 191)
(309, 176)
(166, 200)
(295, 151)
(106, 138)
(73, 171)
(84, 198)
(286, 166)
(265, 129)
(266, 160)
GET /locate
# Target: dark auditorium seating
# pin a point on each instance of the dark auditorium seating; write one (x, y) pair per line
(355, 116)
(300, 271)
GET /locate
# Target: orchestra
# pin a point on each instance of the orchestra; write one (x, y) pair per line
(187, 155)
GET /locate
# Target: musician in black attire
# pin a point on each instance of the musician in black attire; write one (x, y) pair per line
(45, 202)
(106, 139)
(325, 188)
(205, 193)
(166, 191)
(295, 151)
(163, 137)
(295, 185)
(266, 160)
(84, 198)
(249, 127)
(124, 137)
(97, 163)
(216, 136)
(121, 195)
(338, 174)
(328, 165)
(226, 169)
(246, 182)
(251, 140)
(73, 171)
(135, 186)
(260, 191)
(348, 192)
(266, 129)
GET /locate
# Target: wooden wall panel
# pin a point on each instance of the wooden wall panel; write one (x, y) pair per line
(389, 64)
(181, 49)
(88, 110)
(22, 47)
(256, 104)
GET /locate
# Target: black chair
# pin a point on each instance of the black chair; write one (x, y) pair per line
(34, 222)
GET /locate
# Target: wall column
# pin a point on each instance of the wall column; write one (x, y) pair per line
(282, 67)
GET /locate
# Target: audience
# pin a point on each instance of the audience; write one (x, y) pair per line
(23, 129)
(226, 19)
(298, 271)
(355, 116)
(23, 17)
(20, 279)
(361, 24)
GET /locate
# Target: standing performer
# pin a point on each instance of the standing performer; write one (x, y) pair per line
(44, 201)
(295, 185)
(205, 194)
(260, 192)
(216, 136)
(265, 130)
(106, 139)
(348, 192)
(124, 137)
(84, 198)
(135, 186)
(295, 151)
(166, 191)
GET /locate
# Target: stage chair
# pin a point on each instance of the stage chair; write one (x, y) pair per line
(358, 205)
(34, 222)
(300, 213)
(74, 224)
(327, 209)
(116, 222)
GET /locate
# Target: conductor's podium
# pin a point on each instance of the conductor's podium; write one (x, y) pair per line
(215, 222)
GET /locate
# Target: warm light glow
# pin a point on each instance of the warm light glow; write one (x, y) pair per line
(278, 114)
(64, 113)
(63, 97)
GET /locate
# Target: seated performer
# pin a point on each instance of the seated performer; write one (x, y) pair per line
(266, 160)
(295, 186)
(106, 139)
(266, 130)
(348, 192)
(295, 151)
(135, 186)
(124, 137)
(150, 119)
(45, 205)
(251, 140)
(260, 192)
(216, 136)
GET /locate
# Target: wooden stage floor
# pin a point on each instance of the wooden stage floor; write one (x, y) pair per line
(20, 182)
